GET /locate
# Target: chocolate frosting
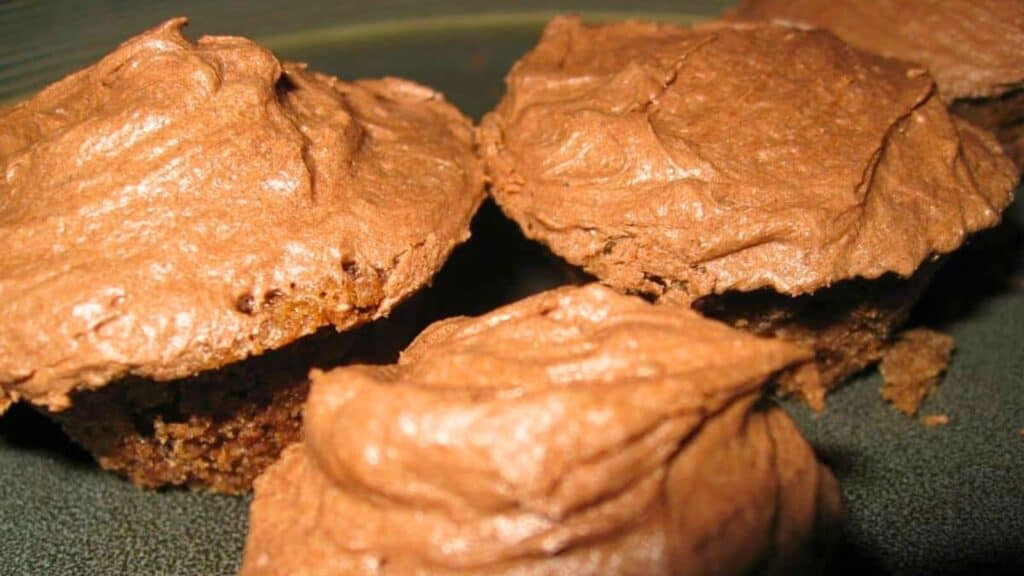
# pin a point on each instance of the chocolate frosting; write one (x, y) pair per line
(181, 205)
(578, 432)
(973, 48)
(1002, 116)
(686, 162)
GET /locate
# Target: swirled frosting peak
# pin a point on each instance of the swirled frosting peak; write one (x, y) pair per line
(180, 205)
(575, 432)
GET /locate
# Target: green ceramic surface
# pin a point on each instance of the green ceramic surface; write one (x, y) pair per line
(921, 500)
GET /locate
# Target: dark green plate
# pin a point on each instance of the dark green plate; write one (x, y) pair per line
(921, 500)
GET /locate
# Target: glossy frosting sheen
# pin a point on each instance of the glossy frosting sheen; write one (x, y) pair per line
(181, 205)
(575, 432)
(973, 48)
(688, 162)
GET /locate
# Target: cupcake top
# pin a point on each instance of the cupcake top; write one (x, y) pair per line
(574, 432)
(686, 162)
(973, 48)
(178, 206)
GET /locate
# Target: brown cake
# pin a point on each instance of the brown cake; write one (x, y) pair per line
(774, 177)
(178, 208)
(973, 48)
(912, 366)
(578, 432)
(217, 430)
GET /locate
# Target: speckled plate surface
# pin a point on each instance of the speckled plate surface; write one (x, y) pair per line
(947, 500)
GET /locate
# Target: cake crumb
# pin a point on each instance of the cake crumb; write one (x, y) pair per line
(912, 366)
(933, 420)
(805, 381)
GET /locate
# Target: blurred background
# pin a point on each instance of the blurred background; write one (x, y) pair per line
(42, 40)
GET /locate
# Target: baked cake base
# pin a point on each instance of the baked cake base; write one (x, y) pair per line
(848, 325)
(217, 430)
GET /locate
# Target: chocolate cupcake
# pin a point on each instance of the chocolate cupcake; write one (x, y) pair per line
(178, 208)
(578, 431)
(770, 176)
(973, 48)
